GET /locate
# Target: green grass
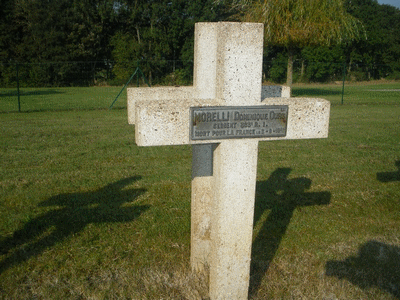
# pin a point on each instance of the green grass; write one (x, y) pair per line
(360, 93)
(86, 214)
(67, 98)
(84, 98)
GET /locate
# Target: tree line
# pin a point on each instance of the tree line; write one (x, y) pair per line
(53, 40)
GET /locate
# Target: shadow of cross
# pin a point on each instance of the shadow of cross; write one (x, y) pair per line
(282, 196)
(71, 214)
(389, 176)
(376, 265)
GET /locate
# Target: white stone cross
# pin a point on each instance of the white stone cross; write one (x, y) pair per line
(227, 74)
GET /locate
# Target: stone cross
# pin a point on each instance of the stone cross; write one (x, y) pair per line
(223, 117)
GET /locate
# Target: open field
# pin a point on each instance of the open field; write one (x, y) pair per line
(86, 214)
(63, 98)
(370, 92)
(84, 98)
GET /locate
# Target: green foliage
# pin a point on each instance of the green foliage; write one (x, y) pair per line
(300, 23)
(56, 31)
(277, 69)
(126, 54)
(295, 24)
(365, 59)
(10, 32)
(323, 64)
(157, 34)
(382, 24)
(394, 76)
(178, 77)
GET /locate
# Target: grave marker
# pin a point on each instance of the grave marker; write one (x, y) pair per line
(227, 81)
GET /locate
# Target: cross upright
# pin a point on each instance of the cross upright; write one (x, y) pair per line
(223, 116)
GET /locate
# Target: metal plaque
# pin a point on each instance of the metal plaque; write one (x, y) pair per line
(222, 122)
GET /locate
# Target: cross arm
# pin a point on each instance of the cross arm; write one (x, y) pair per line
(308, 117)
(160, 93)
(167, 122)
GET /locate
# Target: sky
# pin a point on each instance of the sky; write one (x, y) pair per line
(395, 3)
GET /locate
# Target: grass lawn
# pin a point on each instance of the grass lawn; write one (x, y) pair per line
(359, 93)
(86, 214)
(84, 98)
(63, 98)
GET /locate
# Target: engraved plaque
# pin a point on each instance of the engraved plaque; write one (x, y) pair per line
(223, 122)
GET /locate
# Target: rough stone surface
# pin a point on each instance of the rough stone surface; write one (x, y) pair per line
(159, 93)
(235, 171)
(239, 62)
(308, 119)
(203, 89)
(228, 61)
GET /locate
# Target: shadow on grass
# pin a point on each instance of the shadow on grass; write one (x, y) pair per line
(389, 176)
(282, 196)
(71, 214)
(376, 265)
(12, 93)
(301, 92)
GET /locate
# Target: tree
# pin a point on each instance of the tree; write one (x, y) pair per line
(323, 63)
(382, 24)
(156, 34)
(295, 24)
(42, 32)
(10, 33)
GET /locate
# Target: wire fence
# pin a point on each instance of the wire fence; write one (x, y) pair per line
(96, 85)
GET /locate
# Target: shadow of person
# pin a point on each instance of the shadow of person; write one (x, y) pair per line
(376, 265)
(389, 176)
(71, 214)
(282, 196)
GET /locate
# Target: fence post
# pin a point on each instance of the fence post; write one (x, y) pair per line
(344, 79)
(126, 84)
(137, 71)
(137, 74)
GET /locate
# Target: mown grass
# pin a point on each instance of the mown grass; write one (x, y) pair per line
(86, 214)
(84, 98)
(61, 98)
(354, 93)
